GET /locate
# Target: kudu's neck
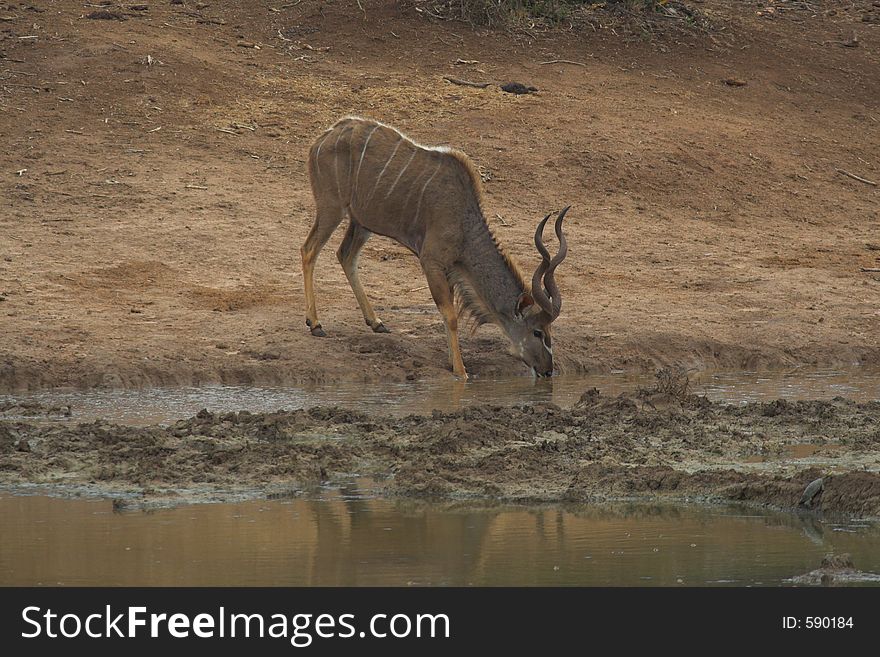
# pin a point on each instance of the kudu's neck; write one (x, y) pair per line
(491, 277)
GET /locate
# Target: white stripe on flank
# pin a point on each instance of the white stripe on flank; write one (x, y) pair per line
(419, 206)
(318, 150)
(357, 176)
(321, 143)
(336, 163)
(350, 163)
(382, 172)
(397, 180)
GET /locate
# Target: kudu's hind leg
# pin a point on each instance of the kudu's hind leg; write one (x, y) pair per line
(441, 291)
(355, 238)
(326, 221)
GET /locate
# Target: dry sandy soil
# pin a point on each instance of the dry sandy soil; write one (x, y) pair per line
(651, 445)
(153, 194)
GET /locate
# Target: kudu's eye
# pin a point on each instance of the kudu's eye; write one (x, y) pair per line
(538, 334)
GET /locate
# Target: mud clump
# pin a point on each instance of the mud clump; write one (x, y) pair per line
(657, 444)
(835, 569)
(30, 409)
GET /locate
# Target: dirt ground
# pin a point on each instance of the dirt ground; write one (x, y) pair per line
(153, 194)
(651, 445)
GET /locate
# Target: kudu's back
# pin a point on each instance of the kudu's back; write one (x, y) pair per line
(390, 184)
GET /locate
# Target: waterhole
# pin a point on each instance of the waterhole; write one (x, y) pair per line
(345, 537)
(351, 536)
(166, 405)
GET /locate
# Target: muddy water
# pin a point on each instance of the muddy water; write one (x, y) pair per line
(165, 405)
(347, 538)
(351, 537)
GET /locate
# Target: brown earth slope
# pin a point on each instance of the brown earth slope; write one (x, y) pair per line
(153, 195)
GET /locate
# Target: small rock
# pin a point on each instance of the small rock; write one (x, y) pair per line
(23, 446)
(837, 561)
(589, 398)
(518, 88)
(734, 82)
(104, 15)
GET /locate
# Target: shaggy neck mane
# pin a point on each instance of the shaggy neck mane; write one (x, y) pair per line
(486, 280)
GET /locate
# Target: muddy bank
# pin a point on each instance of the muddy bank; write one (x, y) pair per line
(650, 446)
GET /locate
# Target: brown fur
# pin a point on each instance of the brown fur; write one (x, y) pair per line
(427, 198)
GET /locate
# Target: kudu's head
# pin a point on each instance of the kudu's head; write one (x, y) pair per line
(529, 333)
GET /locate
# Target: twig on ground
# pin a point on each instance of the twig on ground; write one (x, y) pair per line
(859, 178)
(562, 61)
(466, 83)
(422, 10)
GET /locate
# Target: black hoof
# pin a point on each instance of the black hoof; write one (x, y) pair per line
(316, 330)
(381, 328)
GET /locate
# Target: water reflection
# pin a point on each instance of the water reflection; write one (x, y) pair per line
(346, 538)
(165, 405)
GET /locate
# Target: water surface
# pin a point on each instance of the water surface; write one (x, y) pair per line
(349, 538)
(165, 405)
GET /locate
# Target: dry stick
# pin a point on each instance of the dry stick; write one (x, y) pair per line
(562, 61)
(466, 83)
(855, 177)
(873, 270)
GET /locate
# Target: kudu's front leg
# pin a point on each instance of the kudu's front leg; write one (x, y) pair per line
(442, 294)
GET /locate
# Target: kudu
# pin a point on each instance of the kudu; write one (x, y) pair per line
(429, 200)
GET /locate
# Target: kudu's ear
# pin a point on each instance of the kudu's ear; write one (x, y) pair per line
(522, 303)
